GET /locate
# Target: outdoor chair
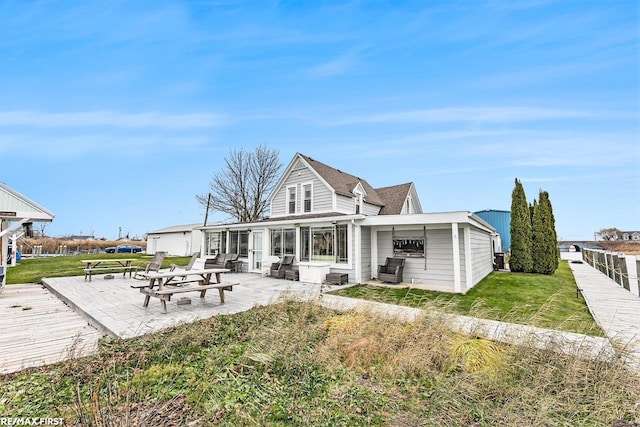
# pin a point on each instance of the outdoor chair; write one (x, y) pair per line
(222, 261)
(154, 265)
(278, 269)
(391, 271)
(267, 263)
(189, 266)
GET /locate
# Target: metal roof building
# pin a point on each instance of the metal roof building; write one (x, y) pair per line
(501, 221)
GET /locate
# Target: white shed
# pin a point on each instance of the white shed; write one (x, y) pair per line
(180, 240)
(17, 213)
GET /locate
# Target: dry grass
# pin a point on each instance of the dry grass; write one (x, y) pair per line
(300, 364)
(628, 247)
(51, 245)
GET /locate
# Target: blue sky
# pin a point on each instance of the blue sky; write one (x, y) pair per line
(116, 114)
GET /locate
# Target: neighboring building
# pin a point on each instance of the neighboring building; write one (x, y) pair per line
(17, 213)
(180, 240)
(335, 222)
(501, 221)
(80, 238)
(629, 235)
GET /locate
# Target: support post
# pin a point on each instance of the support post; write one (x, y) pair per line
(455, 239)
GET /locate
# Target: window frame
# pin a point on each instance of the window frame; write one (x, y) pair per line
(305, 199)
(292, 202)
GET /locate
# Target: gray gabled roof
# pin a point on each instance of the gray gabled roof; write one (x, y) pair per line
(180, 228)
(394, 198)
(342, 182)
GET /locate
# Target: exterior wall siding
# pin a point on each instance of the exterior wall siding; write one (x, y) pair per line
(179, 244)
(369, 209)
(345, 204)
(481, 256)
(439, 261)
(501, 220)
(322, 200)
(365, 260)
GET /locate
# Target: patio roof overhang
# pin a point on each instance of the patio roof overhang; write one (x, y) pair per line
(437, 219)
(289, 220)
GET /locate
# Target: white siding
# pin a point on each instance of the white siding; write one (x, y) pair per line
(321, 194)
(365, 244)
(346, 205)
(179, 243)
(481, 257)
(369, 209)
(439, 261)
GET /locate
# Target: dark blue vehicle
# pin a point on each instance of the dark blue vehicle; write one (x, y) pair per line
(123, 249)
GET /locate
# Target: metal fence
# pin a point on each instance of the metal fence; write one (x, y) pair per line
(620, 267)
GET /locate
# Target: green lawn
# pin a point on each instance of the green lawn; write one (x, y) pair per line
(531, 299)
(33, 270)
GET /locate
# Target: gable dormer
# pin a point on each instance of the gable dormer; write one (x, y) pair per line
(400, 200)
(359, 195)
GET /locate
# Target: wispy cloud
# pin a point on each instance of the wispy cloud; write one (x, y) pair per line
(482, 115)
(111, 119)
(338, 65)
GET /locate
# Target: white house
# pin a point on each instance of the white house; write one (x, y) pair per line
(335, 222)
(180, 240)
(17, 213)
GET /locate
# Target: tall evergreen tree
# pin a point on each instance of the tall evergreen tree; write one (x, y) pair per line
(552, 235)
(544, 242)
(521, 260)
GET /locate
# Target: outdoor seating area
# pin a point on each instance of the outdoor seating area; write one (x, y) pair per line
(111, 305)
(222, 261)
(279, 269)
(392, 270)
(108, 265)
(163, 285)
(154, 265)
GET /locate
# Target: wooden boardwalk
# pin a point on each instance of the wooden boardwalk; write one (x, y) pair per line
(615, 309)
(38, 329)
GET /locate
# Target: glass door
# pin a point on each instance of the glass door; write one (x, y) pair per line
(256, 253)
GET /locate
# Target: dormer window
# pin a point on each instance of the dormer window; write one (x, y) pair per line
(408, 205)
(291, 199)
(358, 200)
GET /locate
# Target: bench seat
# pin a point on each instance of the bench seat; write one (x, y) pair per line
(165, 294)
(88, 271)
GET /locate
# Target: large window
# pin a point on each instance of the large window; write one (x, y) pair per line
(216, 242)
(327, 244)
(307, 197)
(291, 199)
(283, 241)
(239, 243)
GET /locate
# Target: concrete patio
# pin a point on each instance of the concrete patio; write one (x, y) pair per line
(116, 309)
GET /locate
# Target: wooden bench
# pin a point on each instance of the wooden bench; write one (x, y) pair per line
(125, 269)
(165, 294)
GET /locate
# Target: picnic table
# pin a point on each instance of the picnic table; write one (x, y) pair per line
(109, 264)
(163, 285)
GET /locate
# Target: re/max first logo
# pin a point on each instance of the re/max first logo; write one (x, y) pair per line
(8, 421)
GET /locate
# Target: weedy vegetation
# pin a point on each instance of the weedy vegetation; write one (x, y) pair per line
(296, 363)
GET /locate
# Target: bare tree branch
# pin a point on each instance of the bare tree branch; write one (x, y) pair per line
(242, 188)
